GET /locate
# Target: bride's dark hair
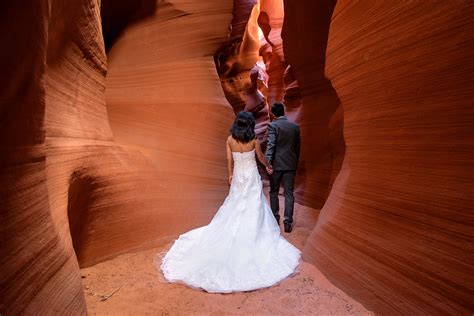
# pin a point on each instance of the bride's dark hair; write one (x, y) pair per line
(243, 129)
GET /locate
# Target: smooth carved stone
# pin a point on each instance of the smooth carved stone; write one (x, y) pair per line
(168, 113)
(236, 63)
(292, 93)
(39, 273)
(116, 190)
(396, 232)
(116, 16)
(103, 155)
(311, 99)
(270, 21)
(75, 188)
(241, 12)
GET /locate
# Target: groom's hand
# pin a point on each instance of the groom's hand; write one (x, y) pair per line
(270, 170)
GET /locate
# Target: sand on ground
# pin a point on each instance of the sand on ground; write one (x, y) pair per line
(130, 284)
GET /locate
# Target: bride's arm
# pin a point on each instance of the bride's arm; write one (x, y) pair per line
(261, 156)
(229, 160)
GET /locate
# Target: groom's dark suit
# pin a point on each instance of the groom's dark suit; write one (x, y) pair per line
(283, 152)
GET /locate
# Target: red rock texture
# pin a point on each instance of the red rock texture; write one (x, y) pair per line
(39, 273)
(304, 34)
(236, 62)
(71, 184)
(165, 104)
(270, 21)
(131, 186)
(116, 146)
(396, 232)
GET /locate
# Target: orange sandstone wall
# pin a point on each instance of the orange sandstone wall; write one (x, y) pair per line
(103, 198)
(396, 231)
(166, 105)
(304, 33)
(270, 21)
(101, 155)
(236, 62)
(75, 188)
(39, 273)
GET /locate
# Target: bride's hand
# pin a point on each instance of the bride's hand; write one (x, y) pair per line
(230, 180)
(270, 170)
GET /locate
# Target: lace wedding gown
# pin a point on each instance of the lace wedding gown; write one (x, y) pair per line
(241, 249)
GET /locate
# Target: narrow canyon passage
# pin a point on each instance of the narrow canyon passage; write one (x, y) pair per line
(113, 120)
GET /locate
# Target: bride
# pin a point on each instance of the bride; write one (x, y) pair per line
(241, 248)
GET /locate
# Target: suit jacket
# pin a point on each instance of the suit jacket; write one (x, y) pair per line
(283, 147)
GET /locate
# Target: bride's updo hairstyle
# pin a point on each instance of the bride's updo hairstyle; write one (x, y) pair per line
(243, 129)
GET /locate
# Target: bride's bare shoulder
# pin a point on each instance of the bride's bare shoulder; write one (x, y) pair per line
(230, 142)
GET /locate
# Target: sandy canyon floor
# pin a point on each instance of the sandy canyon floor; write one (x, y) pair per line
(131, 285)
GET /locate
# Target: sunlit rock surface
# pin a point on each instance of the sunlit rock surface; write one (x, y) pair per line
(165, 104)
(270, 21)
(113, 119)
(397, 229)
(242, 73)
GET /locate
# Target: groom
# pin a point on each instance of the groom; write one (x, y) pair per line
(283, 152)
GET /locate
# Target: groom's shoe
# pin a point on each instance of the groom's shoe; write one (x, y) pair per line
(288, 228)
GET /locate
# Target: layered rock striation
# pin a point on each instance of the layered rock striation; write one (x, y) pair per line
(85, 174)
(113, 119)
(166, 106)
(396, 231)
(305, 35)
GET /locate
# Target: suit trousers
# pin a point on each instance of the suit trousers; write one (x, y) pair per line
(287, 178)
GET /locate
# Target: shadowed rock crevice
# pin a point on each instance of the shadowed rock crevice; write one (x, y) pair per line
(117, 15)
(80, 200)
(237, 64)
(270, 21)
(167, 110)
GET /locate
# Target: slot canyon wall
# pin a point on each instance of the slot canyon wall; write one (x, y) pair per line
(396, 232)
(39, 272)
(165, 103)
(319, 113)
(242, 77)
(76, 189)
(112, 147)
(275, 65)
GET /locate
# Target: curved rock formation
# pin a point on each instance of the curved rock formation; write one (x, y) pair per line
(237, 61)
(396, 231)
(270, 21)
(64, 173)
(165, 104)
(101, 194)
(38, 270)
(304, 33)
(117, 146)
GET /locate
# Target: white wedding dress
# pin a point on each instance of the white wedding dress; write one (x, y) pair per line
(241, 249)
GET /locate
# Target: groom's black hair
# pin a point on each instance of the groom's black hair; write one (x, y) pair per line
(243, 129)
(278, 109)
